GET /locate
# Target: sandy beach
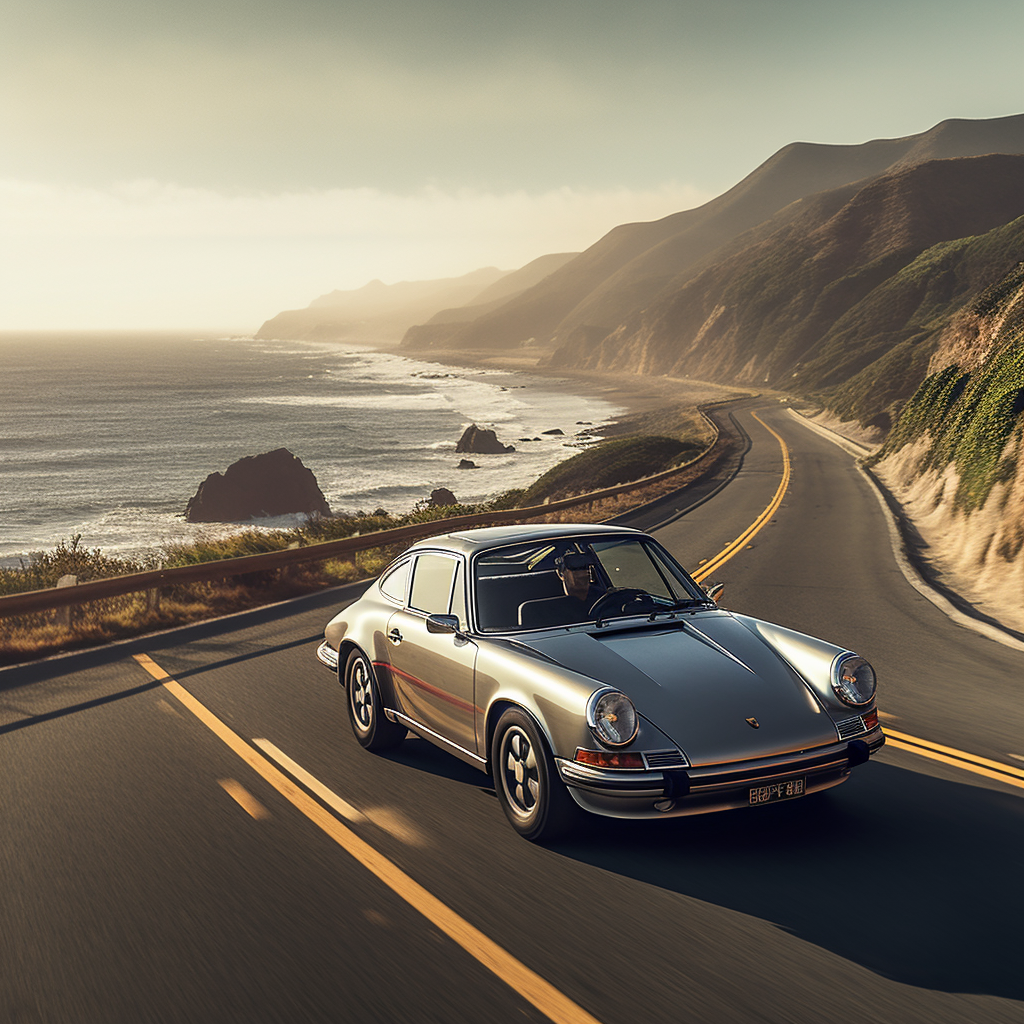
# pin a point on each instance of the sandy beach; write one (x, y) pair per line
(633, 392)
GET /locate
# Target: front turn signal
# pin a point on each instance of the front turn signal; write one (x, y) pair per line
(610, 759)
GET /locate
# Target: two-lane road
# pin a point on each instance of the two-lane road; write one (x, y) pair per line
(153, 874)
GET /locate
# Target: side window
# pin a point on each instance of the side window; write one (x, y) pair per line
(459, 597)
(432, 583)
(395, 583)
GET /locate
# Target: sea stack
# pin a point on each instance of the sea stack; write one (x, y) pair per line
(442, 497)
(272, 484)
(482, 442)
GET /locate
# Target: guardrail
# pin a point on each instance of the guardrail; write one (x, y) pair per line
(51, 599)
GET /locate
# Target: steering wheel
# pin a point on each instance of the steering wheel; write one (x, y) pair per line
(622, 599)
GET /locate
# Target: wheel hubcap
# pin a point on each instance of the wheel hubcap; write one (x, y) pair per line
(360, 696)
(520, 778)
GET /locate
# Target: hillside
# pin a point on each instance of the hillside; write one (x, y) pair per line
(635, 264)
(377, 311)
(439, 325)
(955, 457)
(853, 283)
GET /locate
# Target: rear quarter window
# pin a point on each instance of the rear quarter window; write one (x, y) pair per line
(395, 582)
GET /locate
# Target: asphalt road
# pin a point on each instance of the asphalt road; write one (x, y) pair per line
(150, 874)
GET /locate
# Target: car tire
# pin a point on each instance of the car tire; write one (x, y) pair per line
(533, 797)
(365, 708)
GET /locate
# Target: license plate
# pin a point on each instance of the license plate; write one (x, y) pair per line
(777, 791)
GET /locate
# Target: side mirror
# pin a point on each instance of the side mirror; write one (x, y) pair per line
(442, 624)
(715, 591)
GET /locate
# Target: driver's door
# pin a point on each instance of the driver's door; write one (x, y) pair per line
(433, 673)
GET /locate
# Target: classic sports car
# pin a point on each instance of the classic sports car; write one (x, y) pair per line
(583, 668)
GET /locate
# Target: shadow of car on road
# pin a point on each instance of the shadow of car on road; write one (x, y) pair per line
(913, 877)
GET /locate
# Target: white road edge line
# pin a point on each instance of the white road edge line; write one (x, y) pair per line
(311, 782)
(896, 542)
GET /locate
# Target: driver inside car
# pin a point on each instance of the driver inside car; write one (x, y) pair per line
(577, 572)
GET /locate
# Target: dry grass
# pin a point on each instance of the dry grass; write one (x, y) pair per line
(27, 637)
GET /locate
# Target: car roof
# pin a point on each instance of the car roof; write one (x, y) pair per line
(468, 541)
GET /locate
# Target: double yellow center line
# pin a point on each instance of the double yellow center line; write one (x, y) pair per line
(757, 525)
(1006, 773)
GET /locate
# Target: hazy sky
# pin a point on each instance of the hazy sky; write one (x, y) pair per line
(211, 162)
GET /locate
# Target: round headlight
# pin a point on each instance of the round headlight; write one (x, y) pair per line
(853, 680)
(612, 718)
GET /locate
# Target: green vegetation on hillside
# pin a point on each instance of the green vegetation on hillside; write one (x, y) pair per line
(609, 463)
(971, 417)
(896, 326)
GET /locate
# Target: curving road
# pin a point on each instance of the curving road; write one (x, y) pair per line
(152, 874)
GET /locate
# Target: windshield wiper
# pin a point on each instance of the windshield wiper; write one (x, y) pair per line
(676, 606)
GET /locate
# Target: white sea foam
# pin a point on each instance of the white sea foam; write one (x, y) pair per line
(396, 403)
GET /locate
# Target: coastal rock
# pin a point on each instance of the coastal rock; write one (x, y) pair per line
(272, 484)
(466, 464)
(481, 442)
(555, 431)
(441, 496)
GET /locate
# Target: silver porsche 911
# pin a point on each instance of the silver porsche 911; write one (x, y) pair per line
(582, 667)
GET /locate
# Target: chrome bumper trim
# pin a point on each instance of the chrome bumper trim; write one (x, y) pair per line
(328, 656)
(716, 779)
(621, 782)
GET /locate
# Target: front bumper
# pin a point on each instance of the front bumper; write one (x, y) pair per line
(328, 656)
(700, 790)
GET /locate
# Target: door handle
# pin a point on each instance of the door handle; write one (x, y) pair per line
(395, 637)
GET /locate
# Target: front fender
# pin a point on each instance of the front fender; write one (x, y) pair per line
(554, 696)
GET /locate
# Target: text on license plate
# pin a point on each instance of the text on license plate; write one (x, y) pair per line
(777, 791)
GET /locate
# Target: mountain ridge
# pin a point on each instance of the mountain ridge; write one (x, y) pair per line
(773, 312)
(633, 264)
(377, 311)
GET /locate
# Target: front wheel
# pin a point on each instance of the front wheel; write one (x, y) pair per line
(365, 710)
(531, 794)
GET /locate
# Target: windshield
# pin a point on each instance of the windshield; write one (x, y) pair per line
(570, 580)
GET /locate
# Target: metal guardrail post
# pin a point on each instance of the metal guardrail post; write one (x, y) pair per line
(64, 615)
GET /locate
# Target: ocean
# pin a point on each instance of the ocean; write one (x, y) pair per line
(108, 435)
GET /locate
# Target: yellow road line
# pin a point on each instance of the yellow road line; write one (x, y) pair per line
(311, 782)
(1007, 773)
(244, 798)
(531, 986)
(727, 552)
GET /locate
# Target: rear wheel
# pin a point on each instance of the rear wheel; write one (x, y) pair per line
(533, 797)
(365, 710)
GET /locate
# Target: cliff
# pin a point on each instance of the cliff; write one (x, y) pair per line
(955, 457)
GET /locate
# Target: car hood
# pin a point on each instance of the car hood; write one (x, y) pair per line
(700, 681)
